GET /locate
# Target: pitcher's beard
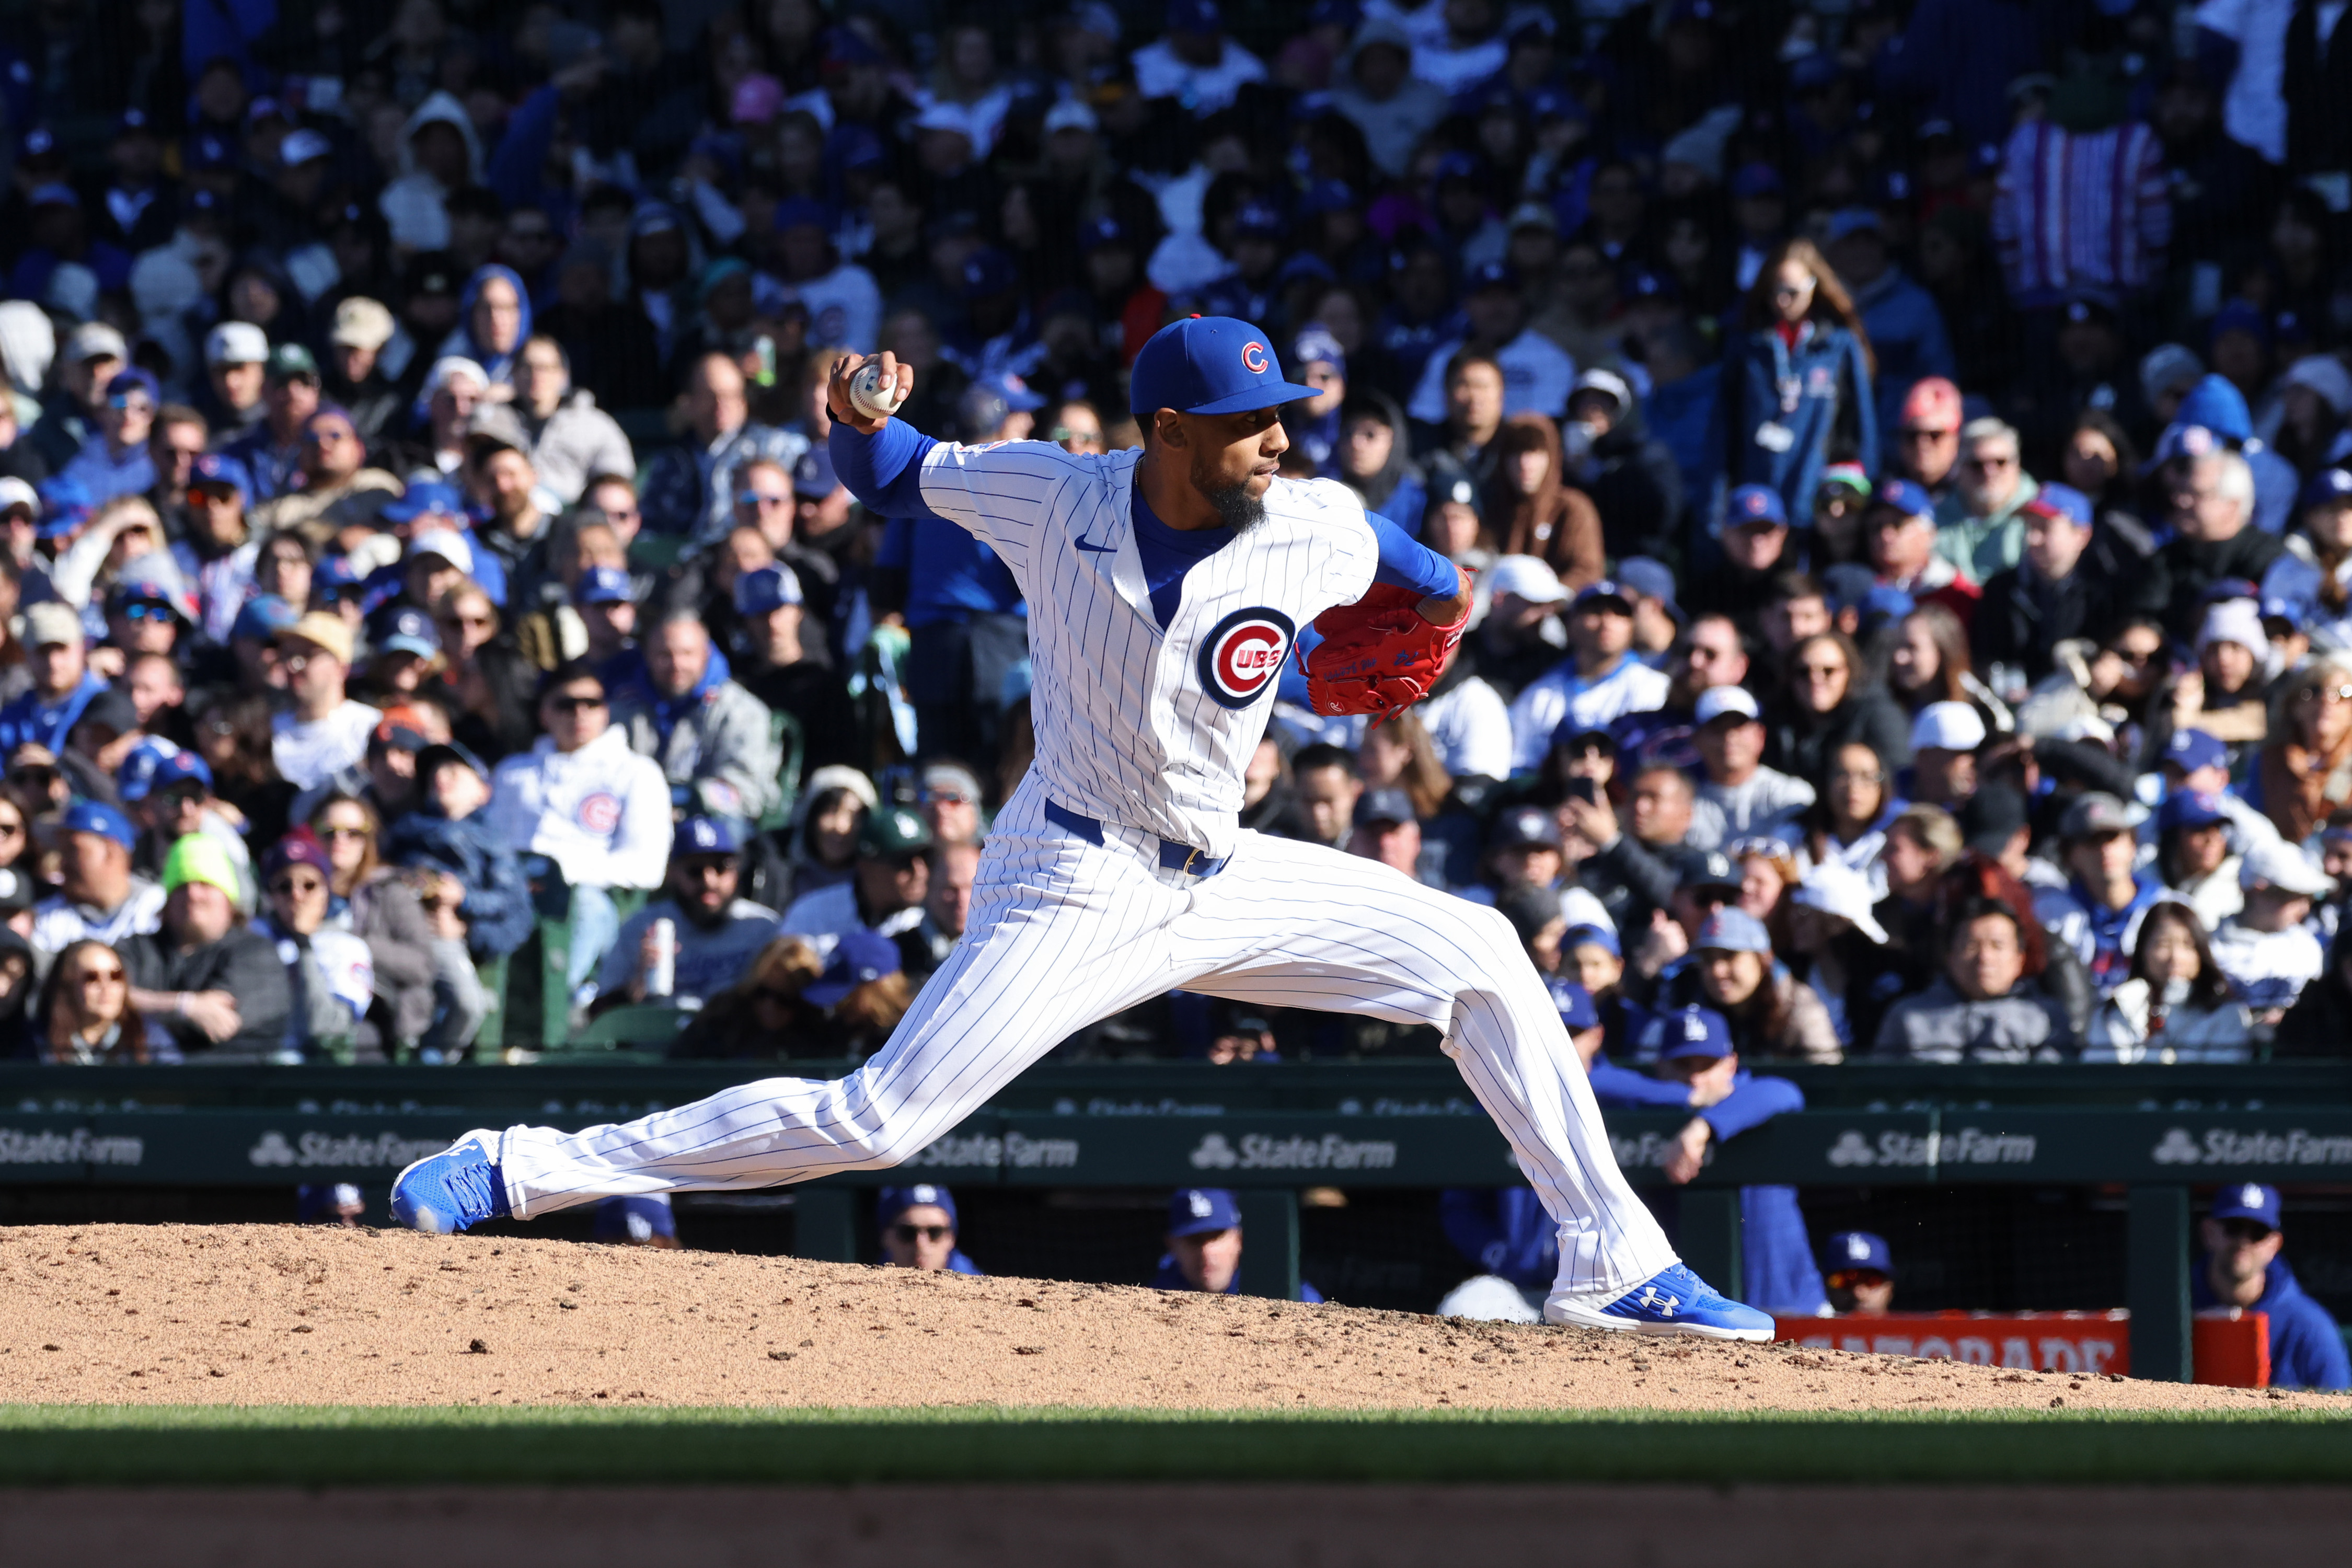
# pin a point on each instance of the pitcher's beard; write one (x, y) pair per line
(1239, 510)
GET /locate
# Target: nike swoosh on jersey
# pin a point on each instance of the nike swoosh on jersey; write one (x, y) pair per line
(1097, 549)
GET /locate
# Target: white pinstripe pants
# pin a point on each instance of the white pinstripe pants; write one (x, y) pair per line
(1064, 933)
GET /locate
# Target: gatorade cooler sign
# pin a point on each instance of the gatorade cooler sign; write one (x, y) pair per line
(2231, 1350)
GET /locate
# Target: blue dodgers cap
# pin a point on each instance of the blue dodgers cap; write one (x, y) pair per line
(1209, 364)
(1693, 1031)
(1733, 929)
(220, 471)
(410, 631)
(2190, 808)
(1858, 1251)
(264, 617)
(610, 585)
(2062, 500)
(707, 835)
(766, 590)
(136, 777)
(1755, 504)
(892, 1202)
(1600, 937)
(1651, 579)
(2248, 1200)
(430, 499)
(638, 1219)
(1902, 496)
(2326, 487)
(1196, 1211)
(1575, 1004)
(2192, 749)
(1316, 345)
(859, 956)
(106, 821)
(813, 478)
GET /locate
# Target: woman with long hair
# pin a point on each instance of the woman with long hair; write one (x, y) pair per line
(1771, 1013)
(1927, 661)
(1798, 394)
(1831, 704)
(1399, 754)
(1846, 824)
(383, 908)
(2177, 1007)
(84, 1017)
(2304, 775)
(486, 684)
(1530, 508)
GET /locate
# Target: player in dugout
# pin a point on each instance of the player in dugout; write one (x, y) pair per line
(1204, 1246)
(1165, 588)
(918, 1229)
(1859, 1269)
(2242, 1268)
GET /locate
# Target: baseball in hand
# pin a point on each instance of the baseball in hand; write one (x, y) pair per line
(870, 393)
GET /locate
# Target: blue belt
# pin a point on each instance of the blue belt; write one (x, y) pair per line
(1173, 857)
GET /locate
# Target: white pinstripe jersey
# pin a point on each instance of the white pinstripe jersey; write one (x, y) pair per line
(1135, 726)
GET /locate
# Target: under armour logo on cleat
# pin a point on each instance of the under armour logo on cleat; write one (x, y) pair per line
(1659, 1302)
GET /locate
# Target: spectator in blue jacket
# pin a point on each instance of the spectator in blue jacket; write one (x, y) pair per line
(2243, 1268)
(1801, 381)
(449, 834)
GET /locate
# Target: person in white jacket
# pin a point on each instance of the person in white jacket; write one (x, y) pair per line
(583, 804)
(2177, 1005)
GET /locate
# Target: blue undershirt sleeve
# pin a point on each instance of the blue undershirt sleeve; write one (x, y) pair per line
(883, 471)
(1753, 1102)
(1405, 562)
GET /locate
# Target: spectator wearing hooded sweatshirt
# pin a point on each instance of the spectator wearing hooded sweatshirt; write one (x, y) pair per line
(493, 323)
(438, 152)
(712, 737)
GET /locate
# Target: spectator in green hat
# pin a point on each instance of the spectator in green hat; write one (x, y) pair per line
(206, 979)
(884, 894)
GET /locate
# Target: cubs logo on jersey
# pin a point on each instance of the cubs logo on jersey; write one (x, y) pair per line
(1243, 655)
(600, 813)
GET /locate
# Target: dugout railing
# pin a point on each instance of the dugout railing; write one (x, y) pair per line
(2155, 1134)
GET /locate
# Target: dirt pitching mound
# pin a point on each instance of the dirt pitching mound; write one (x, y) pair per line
(275, 1315)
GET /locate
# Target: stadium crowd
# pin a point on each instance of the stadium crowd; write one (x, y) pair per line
(1898, 448)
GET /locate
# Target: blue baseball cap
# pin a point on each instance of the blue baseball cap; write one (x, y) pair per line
(2190, 808)
(2216, 404)
(1731, 930)
(892, 1202)
(106, 821)
(1262, 219)
(1652, 579)
(768, 589)
(1195, 1211)
(220, 471)
(1316, 345)
(1575, 1004)
(2062, 500)
(2191, 750)
(1009, 386)
(2248, 1200)
(1209, 364)
(707, 835)
(813, 478)
(1886, 602)
(610, 585)
(1600, 937)
(2325, 489)
(136, 779)
(1693, 1031)
(1593, 593)
(987, 271)
(1754, 504)
(638, 1218)
(1493, 275)
(858, 957)
(1195, 16)
(1854, 1250)
(410, 631)
(1848, 584)
(430, 499)
(1902, 496)
(179, 768)
(66, 505)
(1099, 232)
(263, 616)
(127, 382)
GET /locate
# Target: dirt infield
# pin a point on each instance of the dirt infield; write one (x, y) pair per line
(276, 1315)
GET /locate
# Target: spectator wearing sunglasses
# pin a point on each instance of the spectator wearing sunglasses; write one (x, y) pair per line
(2243, 1269)
(84, 1017)
(330, 972)
(918, 1229)
(114, 460)
(168, 795)
(332, 481)
(2304, 774)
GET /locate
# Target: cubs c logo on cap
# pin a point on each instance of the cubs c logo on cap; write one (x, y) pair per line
(1253, 359)
(1243, 655)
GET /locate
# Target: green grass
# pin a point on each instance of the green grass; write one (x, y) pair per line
(142, 1445)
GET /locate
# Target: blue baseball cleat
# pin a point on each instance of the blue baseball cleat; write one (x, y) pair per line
(1671, 1302)
(454, 1190)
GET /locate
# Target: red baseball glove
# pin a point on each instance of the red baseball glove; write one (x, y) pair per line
(1377, 654)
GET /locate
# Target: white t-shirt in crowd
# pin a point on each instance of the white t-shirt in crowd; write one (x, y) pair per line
(308, 754)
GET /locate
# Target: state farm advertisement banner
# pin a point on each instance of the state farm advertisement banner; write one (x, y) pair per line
(2231, 1350)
